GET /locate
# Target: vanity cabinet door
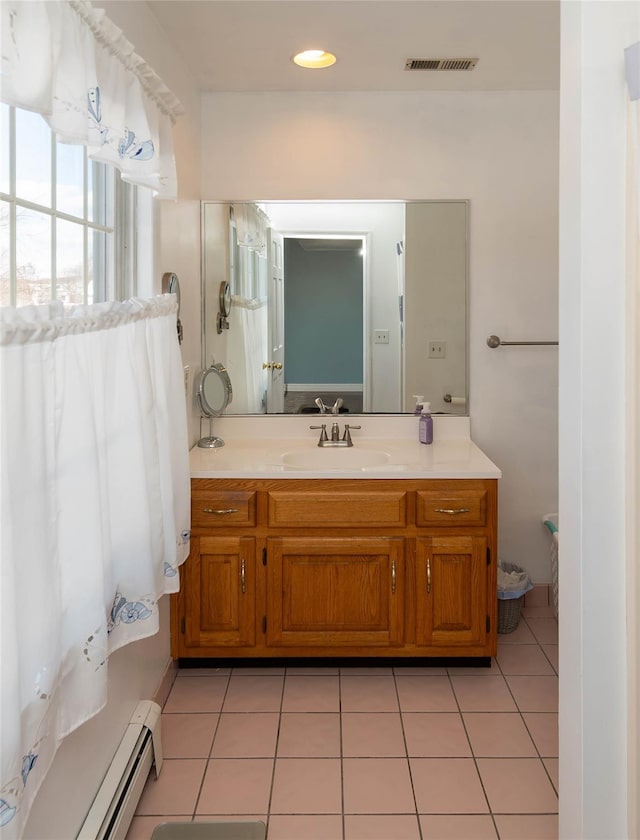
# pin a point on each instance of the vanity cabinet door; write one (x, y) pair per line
(220, 593)
(451, 591)
(338, 591)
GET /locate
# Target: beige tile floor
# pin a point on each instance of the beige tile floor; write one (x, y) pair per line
(379, 753)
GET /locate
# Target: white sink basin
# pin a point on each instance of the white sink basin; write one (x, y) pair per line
(335, 458)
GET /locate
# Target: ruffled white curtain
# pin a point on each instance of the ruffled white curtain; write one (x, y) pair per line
(254, 338)
(95, 514)
(70, 63)
(251, 226)
(254, 332)
(246, 351)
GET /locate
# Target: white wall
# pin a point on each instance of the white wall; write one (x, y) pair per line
(179, 251)
(499, 150)
(596, 726)
(136, 671)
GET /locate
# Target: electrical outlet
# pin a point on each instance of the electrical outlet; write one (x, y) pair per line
(381, 336)
(187, 377)
(437, 349)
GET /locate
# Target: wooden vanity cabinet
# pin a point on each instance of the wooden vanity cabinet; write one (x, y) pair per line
(352, 568)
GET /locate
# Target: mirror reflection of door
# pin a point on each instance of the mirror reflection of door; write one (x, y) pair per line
(324, 317)
(276, 362)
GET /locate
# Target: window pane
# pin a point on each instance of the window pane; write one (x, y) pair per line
(69, 262)
(5, 256)
(33, 158)
(97, 268)
(33, 257)
(99, 179)
(6, 148)
(70, 178)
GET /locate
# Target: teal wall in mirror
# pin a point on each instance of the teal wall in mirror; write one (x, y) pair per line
(323, 305)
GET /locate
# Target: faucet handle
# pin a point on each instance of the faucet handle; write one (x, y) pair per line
(323, 408)
(323, 433)
(347, 433)
(336, 406)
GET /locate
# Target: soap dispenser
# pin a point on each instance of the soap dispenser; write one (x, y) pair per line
(419, 401)
(425, 433)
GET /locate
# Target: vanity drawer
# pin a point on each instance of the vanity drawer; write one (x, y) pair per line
(365, 509)
(220, 508)
(451, 508)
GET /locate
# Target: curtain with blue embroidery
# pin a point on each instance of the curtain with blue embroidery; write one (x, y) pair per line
(95, 514)
(70, 63)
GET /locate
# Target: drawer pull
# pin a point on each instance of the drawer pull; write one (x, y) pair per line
(428, 574)
(452, 511)
(221, 512)
(393, 577)
(243, 580)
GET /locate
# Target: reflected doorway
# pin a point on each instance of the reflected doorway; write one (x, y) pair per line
(324, 322)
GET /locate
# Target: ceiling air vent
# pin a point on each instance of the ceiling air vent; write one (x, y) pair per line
(440, 63)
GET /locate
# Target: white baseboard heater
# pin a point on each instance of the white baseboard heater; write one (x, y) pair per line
(114, 806)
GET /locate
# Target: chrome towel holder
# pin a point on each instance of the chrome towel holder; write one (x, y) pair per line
(494, 341)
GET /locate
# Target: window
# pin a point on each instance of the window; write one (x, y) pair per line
(66, 222)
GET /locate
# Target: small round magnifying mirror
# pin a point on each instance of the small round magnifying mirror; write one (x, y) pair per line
(214, 395)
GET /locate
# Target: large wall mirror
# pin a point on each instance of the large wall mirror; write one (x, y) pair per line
(366, 301)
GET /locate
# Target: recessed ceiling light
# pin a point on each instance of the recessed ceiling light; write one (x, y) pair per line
(314, 59)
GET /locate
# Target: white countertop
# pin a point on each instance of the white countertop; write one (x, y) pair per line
(386, 447)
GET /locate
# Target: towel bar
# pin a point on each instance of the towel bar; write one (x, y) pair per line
(493, 341)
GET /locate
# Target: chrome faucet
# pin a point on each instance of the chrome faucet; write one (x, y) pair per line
(335, 439)
(334, 409)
